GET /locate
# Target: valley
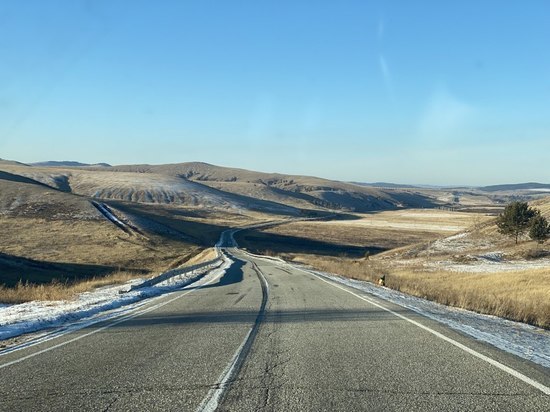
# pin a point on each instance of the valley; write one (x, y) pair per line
(66, 222)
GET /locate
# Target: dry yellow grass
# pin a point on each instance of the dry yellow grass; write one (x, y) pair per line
(25, 292)
(205, 255)
(543, 205)
(80, 254)
(87, 242)
(415, 220)
(80, 249)
(55, 290)
(522, 296)
(384, 230)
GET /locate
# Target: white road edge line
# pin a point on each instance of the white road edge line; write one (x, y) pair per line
(544, 389)
(121, 320)
(211, 402)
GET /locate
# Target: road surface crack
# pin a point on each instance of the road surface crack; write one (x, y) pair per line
(110, 404)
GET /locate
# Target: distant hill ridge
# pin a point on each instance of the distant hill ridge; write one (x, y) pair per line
(68, 163)
(206, 185)
(298, 191)
(388, 185)
(517, 186)
(197, 183)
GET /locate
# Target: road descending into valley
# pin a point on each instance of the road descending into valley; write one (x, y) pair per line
(269, 336)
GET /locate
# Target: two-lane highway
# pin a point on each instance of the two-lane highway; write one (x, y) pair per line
(267, 336)
(167, 358)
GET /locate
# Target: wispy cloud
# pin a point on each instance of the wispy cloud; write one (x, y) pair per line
(382, 62)
(386, 75)
(445, 117)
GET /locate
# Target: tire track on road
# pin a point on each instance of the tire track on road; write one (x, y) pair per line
(215, 396)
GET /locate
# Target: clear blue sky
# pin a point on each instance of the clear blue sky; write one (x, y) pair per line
(433, 92)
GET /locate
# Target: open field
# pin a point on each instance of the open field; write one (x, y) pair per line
(357, 234)
(202, 226)
(414, 220)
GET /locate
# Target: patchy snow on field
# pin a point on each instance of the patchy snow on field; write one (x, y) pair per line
(32, 316)
(490, 262)
(520, 339)
(456, 243)
(485, 265)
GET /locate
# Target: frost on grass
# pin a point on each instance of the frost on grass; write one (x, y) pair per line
(459, 243)
(484, 265)
(465, 252)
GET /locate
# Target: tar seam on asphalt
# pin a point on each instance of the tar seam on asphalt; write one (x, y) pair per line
(215, 396)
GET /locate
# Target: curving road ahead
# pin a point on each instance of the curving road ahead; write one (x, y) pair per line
(267, 336)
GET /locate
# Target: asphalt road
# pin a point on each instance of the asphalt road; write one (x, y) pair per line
(266, 336)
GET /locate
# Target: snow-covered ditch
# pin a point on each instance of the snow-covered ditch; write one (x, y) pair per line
(523, 340)
(102, 303)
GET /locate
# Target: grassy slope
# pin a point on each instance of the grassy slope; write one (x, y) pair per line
(296, 191)
(48, 234)
(51, 234)
(355, 234)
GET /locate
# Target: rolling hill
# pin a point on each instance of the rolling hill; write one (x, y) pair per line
(52, 233)
(196, 184)
(69, 163)
(204, 185)
(292, 190)
(533, 186)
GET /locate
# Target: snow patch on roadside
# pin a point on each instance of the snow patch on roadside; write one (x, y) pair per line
(525, 341)
(32, 316)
